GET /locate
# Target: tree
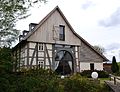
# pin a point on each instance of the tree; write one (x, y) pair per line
(100, 49)
(114, 67)
(118, 64)
(10, 12)
(6, 60)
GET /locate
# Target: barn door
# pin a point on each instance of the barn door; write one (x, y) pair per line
(63, 62)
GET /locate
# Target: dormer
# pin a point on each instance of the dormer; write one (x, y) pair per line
(32, 26)
(25, 32)
(21, 37)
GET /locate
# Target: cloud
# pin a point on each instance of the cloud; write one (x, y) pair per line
(113, 20)
(113, 46)
(87, 4)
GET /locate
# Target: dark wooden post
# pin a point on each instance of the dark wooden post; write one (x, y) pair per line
(110, 77)
(114, 80)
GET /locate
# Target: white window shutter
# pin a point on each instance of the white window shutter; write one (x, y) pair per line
(56, 32)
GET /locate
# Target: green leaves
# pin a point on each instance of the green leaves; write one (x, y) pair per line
(99, 49)
(10, 12)
(114, 67)
(6, 60)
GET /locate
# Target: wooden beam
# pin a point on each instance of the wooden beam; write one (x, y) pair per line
(78, 48)
(74, 60)
(33, 56)
(16, 60)
(19, 52)
(53, 56)
(44, 57)
(48, 56)
(27, 55)
(37, 54)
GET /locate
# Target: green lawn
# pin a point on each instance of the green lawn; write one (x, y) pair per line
(103, 79)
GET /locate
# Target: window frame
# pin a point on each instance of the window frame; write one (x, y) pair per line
(62, 34)
(40, 47)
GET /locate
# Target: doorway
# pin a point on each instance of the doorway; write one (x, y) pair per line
(64, 62)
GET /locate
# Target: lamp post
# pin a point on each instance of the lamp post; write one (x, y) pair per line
(62, 77)
(94, 75)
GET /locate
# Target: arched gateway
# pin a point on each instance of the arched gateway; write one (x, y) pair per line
(64, 62)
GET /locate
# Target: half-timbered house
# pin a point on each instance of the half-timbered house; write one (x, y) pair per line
(53, 44)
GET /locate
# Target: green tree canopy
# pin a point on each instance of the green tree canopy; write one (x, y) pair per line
(10, 12)
(100, 49)
(114, 67)
(6, 60)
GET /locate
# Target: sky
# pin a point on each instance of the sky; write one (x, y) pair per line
(97, 21)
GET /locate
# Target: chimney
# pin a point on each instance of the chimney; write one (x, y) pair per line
(32, 26)
(25, 32)
(21, 37)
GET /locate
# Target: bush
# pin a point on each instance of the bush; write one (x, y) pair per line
(77, 83)
(101, 74)
(39, 80)
(46, 81)
(117, 74)
(6, 60)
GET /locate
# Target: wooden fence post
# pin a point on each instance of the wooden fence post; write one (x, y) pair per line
(114, 80)
(110, 77)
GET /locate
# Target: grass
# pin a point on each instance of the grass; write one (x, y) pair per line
(103, 79)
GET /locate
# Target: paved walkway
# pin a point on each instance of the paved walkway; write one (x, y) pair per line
(114, 88)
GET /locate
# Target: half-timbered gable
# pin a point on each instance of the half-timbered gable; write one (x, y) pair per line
(49, 31)
(54, 44)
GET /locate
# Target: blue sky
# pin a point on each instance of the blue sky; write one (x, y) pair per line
(97, 21)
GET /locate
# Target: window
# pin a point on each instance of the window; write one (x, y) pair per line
(92, 66)
(41, 64)
(40, 47)
(62, 33)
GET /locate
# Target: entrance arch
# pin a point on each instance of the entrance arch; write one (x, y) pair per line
(64, 62)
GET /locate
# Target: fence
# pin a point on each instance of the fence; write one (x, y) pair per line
(115, 79)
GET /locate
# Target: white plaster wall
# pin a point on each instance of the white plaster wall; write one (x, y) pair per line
(25, 63)
(25, 52)
(50, 53)
(98, 66)
(40, 54)
(84, 66)
(32, 45)
(49, 46)
(31, 53)
(47, 61)
(34, 61)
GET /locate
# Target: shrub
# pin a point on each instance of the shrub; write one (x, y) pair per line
(38, 79)
(6, 60)
(101, 74)
(77, 83)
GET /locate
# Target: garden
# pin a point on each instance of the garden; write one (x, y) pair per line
(40, 80)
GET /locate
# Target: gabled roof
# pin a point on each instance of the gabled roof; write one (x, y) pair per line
(45, 18)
